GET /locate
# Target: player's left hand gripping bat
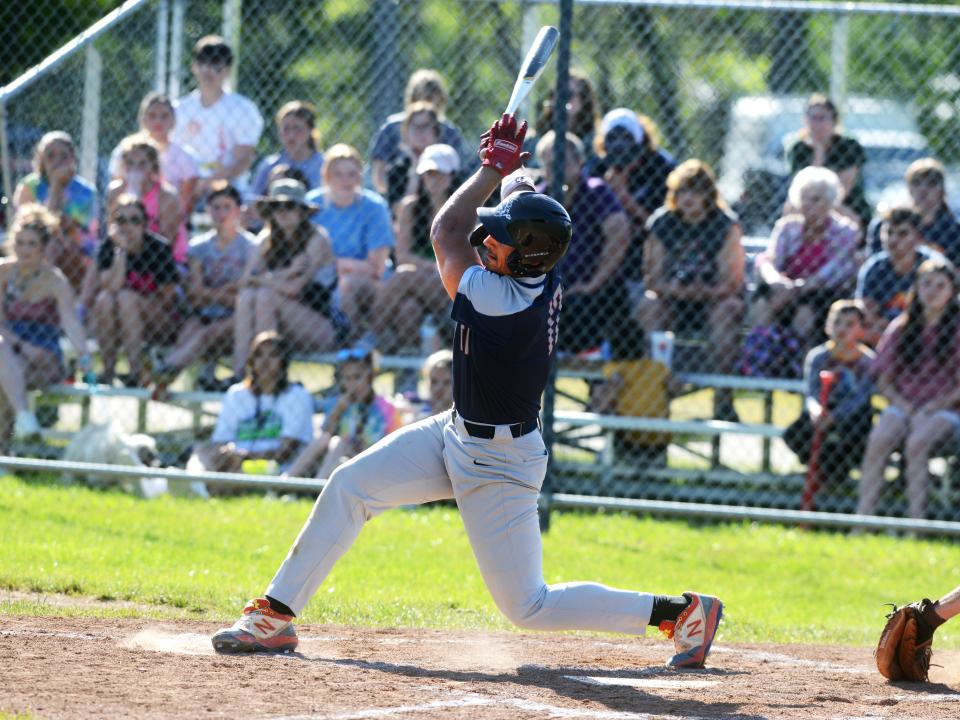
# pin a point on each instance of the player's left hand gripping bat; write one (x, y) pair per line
(533, 65)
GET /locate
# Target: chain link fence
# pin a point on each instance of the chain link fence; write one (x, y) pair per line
(699, 357)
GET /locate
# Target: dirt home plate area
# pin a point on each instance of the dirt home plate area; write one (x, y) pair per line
(79, 668)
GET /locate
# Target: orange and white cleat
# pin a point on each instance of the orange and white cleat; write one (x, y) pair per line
(261, 629)
(694, 630)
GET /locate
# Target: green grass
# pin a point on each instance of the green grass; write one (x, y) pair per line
(204, 559)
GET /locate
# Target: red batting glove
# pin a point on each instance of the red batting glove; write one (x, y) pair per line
(502, 145)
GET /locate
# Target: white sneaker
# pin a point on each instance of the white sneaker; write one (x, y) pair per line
(26, 426)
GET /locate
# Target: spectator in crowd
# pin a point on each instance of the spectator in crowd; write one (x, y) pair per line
(939, 228)
(289, 284)
(252, 221)
(297, 129)
(140, 175)
(820, 144)
(424, 85)
(846, 420)
(887, 276)
(216, 260)
(595, 303)
(583, 113)
(420, 129)
(636, 169)
(414, 289)
(37, 304)
(354, 419)
(264, 417)
(221, 127)
(358, 222)
(55, 184)
(918, 372)
(437, 373)
(178, 166)
(810, 262)
(694, 266)
(137, 292)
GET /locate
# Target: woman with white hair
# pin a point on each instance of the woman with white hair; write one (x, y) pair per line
(810, 262)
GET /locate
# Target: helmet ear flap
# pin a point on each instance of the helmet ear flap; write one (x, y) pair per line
(478, 235)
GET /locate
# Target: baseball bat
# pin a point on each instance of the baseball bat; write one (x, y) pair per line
(812, 484)
(533, 65)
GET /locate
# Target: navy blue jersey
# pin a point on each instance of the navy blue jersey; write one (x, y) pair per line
(506, 334)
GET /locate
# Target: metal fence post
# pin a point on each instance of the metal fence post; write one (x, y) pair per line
(176, 49)
(556, 191)
(161, 45)
(5, 161)
(384, 51)
(232, 11)
(90, 132)
(839, 54)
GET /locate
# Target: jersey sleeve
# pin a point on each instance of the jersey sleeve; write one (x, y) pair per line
(490, 294)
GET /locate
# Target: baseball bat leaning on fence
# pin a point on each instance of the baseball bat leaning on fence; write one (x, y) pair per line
(533, 65)
(812, 484)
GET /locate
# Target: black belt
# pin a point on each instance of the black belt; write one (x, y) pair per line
(487, 432)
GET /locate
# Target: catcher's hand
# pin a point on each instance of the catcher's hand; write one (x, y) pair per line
(906, 643)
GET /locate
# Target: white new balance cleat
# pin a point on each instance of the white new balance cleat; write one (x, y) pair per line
(261, 629)
(694, 630)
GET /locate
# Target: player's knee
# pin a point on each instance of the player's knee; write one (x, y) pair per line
(347, 483)
(524, 612)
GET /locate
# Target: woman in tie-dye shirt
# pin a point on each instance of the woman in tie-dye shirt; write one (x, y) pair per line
(55, 184)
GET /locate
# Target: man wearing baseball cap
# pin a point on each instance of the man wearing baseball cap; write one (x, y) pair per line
(636, 170)
(487, 452)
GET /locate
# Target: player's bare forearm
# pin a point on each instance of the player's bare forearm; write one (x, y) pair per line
(458, 216)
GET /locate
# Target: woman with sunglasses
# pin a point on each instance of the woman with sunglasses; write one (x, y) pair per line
(37, 303)
(353, 420)
(289, 284)
(264, 417)
(135, 303)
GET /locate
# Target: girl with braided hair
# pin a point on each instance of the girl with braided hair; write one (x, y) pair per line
(918, 371)
(354, 419)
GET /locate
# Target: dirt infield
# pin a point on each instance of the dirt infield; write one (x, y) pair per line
(77, 668)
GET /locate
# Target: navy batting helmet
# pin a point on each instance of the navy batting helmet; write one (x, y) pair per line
(536, 226)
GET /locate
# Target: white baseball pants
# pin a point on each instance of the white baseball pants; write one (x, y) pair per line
(496, 484)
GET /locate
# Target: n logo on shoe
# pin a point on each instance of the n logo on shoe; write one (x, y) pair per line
(264, 626)
(693, 628)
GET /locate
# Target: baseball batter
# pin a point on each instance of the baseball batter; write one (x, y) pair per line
(487, 451)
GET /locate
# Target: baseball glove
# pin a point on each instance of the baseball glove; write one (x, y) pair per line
(906, 643)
